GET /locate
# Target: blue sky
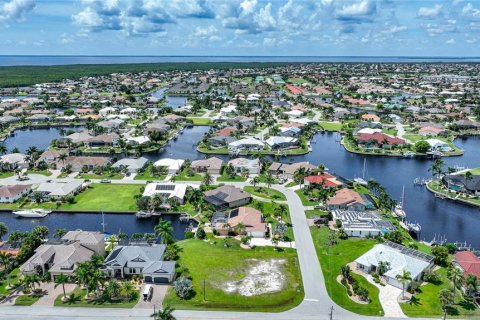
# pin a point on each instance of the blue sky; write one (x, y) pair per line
(241, 27)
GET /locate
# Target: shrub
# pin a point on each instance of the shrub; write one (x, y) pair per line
(201, 234)
(362, 293)
(430, 276)
(189, 234)
(183, 287)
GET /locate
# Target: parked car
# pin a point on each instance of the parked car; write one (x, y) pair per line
(147, 292)
(105, 181)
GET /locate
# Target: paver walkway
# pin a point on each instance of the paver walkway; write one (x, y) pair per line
(51, 293)
(388, 297)
(159, 292)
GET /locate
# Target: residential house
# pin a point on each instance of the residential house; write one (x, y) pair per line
(370, 117)
(290, 131)
(14, 161)
(380, 140)
(432, 131)
(252, 221)
(277, 143)
(144, 260)
(63, 256)
(50, 156)
(227, 197)
(83, 163)
(132, 165)
(212, 165)
(173, 166)
(468, 262)
(346, 199)
(438, 145)
(287, 170)
(399, 258)
(167, 190)
(458, 182)
(325, 180)
(103, 140)
(362, 223)
(58, 189)
(240, 165)
(10, 194)
(246, 144)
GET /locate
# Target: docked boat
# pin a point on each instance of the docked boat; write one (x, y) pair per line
(143, 214)
(398, 210)
(409, 154)
(362, 181)
(32, 213)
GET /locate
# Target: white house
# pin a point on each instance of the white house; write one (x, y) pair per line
(246, 144)
(10, 194)
(243, 164)
(438, 145)
(173, 166)
(277, 142)
(14, 161)
(167, 190)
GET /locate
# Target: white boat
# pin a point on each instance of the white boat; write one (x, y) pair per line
(398, 210)
(362, 180)
(409, 154)
(143, 214)
(32, 213)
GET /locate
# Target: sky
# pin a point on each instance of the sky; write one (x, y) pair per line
(240, 27)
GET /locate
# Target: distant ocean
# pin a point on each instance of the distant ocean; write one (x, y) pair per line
(8, 60)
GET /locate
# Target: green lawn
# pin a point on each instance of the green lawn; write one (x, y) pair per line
(107, 175)
(6, 174)
(182, 176)
(427, 303)
(200, 121)
(304, 198)
(212, 265)
(316, 213)
(291, 184)
(340, 254)
(82, 302)
(105, 197)
(475, 171)
(236, 178)
(26, 300)
(330, 126)
(264, 192)
(14, 276)
(146, 174)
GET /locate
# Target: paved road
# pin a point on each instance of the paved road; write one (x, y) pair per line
(316, 304)
(400, 130)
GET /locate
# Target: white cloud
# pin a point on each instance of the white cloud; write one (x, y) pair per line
(470, 12)
(451, 41)
(66, 39)
(430, 12)
(209, 33)
(15, 10)
(359, 11)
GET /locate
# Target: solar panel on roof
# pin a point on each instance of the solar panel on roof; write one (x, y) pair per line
(164, 187)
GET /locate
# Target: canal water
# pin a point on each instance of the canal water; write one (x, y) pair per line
(456, 221)
(114, 223)
(38, 137)
(171, 101)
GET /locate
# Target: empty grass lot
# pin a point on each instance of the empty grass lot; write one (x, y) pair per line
(105, 197)
(339, 255)
(264, 192)
(215, 264)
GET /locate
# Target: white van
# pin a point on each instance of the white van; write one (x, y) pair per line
(147, 292)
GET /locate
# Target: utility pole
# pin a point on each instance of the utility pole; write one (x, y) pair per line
(331, 313)
(204, 291)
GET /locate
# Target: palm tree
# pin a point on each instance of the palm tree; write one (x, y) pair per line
(30, 280)
(240, 228)
(445, 297)
(404, 279)
(155, 202)
(456, 276)
(164, 230)
(207, 179)
(255, 181)
(269, 179)
(61, 280)
(62, 157)
(113, 289)
(59, 233)
(437, 167)
(3, 149)
(472, 284)
(164, 314)
(127, 289)
(83, 274)
(3, 230)
(137, 236)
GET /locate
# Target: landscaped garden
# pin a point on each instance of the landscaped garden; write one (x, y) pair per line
(224, 276)
(332, 258)
(264, 192)
(77, 298)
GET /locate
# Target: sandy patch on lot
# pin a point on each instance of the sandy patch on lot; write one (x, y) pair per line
(259, 277)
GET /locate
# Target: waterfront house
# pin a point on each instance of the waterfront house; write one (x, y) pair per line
(278, 143)
(83, 163)
(362, 223)
(167, 190)
(380, 140)
(227, 197)
(14, 161)
(325, 180)
(173, 166)
(439, 145)
(468, 262)
(246, 144)
(290, 131)
(58, 189)
(240, 165)
(103, 140)
(346, 199)
(220, 141)
(111, 124)
(50, 156)
(63, 256)
(212, 165)
(80, 137)
(143, 260)
(287, 170)
(400, 259)
(458, 182)
(38, 118)
(131, 165)
(432, 131)
(226, 223)
(159, 125)
(370, 117)
(10, 194)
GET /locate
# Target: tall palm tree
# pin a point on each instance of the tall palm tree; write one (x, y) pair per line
(269, 179)
(255, 181)
(164, 230)
(164, 314)
(30, 281)
(456, 276)
(207, 179)
(437, 168)
(404, 279)
(445, 297)
(59, 233)
(62, 157)
(113, 288)
(61, 279)
(83, 274)
(127, 289)
(472, 284)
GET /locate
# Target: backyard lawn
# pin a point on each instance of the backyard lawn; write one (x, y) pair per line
(105, 197)
(200, 121)
(80, 301)
(264, 192)
(146, 174)
(331, 126)
(226, 177)
(182, 176)
(304, 198)
(26, 299)
(226, 274)
(426, 303)
(345, 251)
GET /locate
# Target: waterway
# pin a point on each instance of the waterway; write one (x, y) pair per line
(456, 221)
(171, 101)
(38, 137)
(114, 223)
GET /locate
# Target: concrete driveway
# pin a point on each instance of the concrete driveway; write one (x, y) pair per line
(159, 292)
(51, 293)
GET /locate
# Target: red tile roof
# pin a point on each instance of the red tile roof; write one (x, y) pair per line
(469, 262)
(326, 180)
(379, 138)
